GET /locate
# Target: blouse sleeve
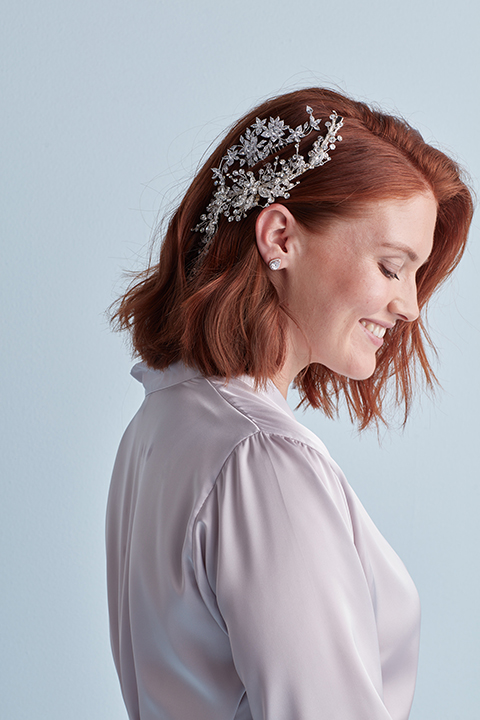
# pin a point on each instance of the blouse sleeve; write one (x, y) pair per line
(277, 550)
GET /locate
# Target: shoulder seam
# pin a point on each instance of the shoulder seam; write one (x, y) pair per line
(291, 438)
(259, 431)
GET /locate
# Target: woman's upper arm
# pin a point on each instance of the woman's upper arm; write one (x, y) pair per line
(280, 557)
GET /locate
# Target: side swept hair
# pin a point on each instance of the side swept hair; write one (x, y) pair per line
(226, 319)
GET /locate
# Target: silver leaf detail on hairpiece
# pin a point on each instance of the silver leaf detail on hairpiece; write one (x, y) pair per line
(238, 191)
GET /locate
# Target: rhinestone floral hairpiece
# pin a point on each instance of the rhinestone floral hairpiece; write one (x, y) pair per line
(238, 191)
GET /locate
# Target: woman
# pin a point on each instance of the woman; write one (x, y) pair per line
(245, 578)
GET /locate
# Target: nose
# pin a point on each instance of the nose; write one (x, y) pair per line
(405, 304)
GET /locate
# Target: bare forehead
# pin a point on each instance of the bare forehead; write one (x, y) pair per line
(408, 226)
(398, 226)
(422, 204)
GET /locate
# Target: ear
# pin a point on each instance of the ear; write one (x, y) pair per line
(276, 231)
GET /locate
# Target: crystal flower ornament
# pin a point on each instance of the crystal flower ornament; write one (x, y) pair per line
(239, 190)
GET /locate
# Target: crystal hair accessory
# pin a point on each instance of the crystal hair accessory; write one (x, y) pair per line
(238, 191)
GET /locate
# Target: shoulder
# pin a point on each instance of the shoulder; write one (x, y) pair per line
(221, 433)
(205, 408)
(268, 411)
(268, 470)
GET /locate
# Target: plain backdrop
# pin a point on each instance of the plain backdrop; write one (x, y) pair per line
(106, 109)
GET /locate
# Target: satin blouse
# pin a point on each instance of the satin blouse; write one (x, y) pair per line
(245, 579)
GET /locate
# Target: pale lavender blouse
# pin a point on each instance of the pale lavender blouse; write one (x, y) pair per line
(245, 579)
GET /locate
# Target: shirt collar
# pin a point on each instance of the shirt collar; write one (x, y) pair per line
(159, 379)
(154, 380)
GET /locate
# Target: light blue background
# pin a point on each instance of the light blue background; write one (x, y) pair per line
(106, 107)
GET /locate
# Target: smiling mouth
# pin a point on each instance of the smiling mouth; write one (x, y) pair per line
(377, 330)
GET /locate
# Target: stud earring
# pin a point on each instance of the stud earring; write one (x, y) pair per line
(274, 264)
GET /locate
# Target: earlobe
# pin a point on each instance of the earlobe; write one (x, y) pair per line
(274, 229)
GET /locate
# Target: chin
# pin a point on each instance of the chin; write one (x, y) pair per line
(351, 366)
(359, 372)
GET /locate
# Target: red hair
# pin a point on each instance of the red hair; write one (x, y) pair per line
(227, 319)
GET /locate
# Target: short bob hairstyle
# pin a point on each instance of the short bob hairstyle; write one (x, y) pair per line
(226, 318)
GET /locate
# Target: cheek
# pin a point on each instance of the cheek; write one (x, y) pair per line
(368, 295)
(356, 297)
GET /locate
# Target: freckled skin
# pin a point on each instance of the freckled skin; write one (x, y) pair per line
(336, 278)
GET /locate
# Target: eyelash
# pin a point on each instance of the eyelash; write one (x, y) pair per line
(388, 273)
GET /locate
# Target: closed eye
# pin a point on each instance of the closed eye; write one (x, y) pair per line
(388, 273)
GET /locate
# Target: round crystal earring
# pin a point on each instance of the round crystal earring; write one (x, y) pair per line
(274, 264)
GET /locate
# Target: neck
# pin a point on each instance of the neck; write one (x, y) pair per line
(281, 383)
(294, 362)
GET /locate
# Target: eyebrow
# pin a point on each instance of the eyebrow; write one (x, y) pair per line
(404, 248)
